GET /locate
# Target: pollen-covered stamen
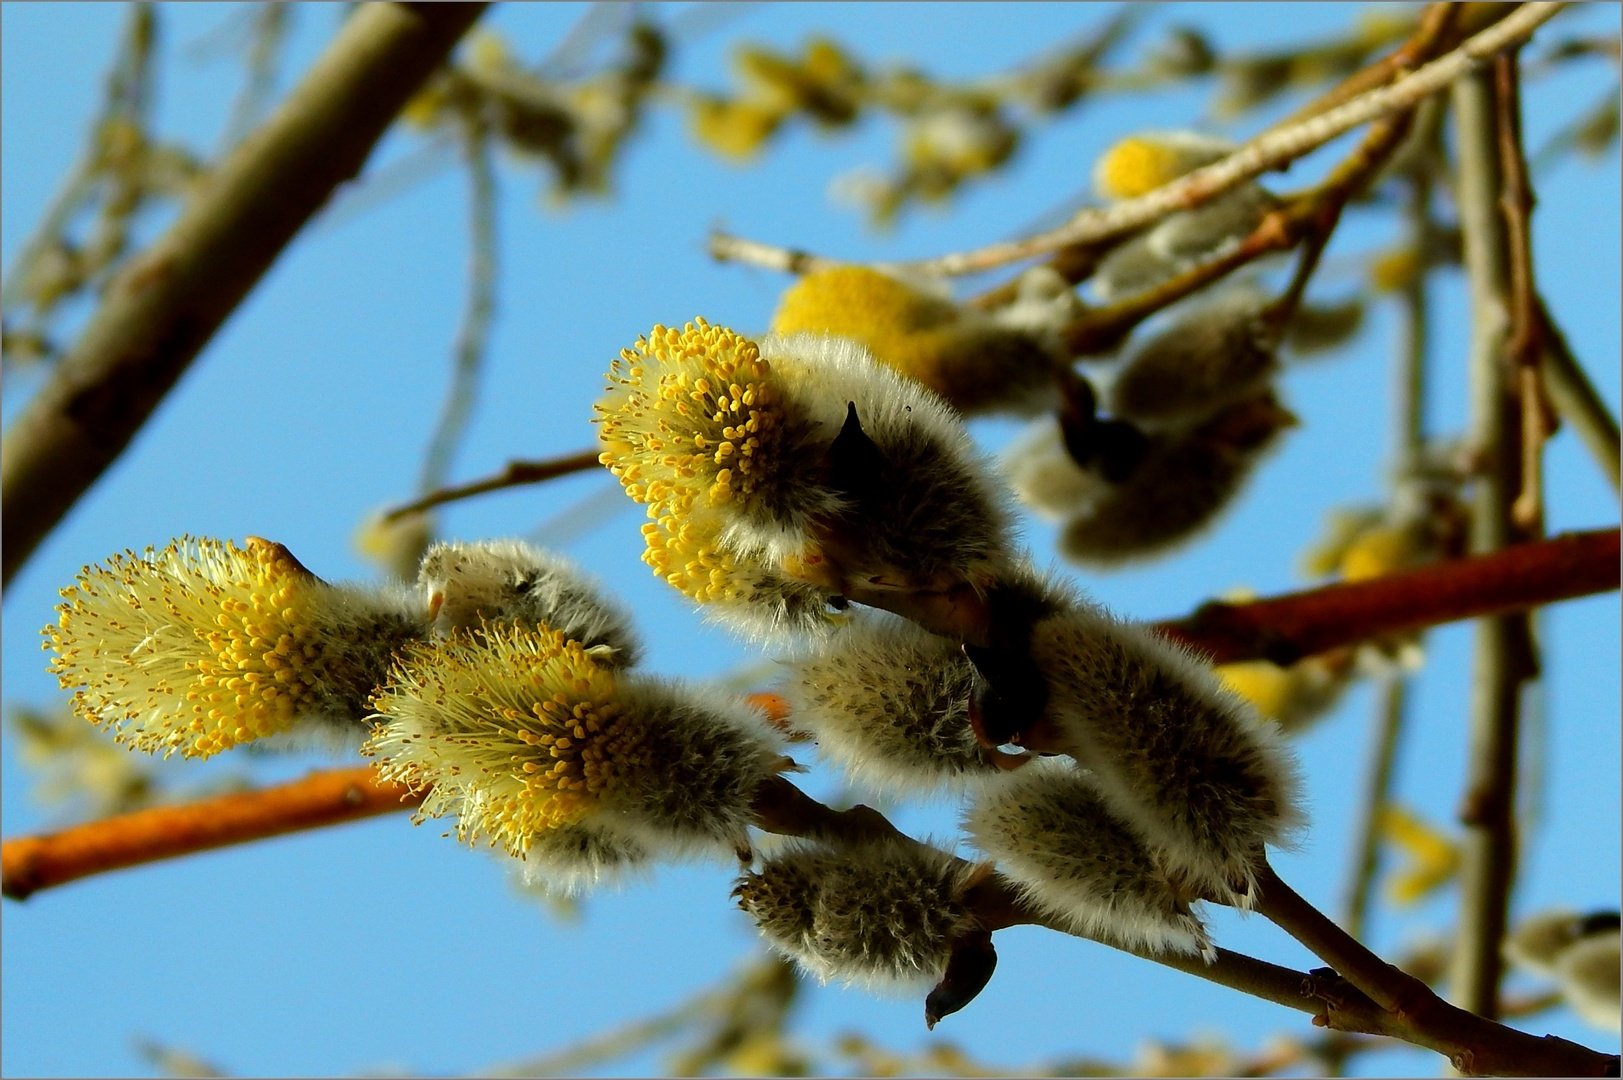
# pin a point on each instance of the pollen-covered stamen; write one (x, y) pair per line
(690, 410)
(516, 731)
(198, 647)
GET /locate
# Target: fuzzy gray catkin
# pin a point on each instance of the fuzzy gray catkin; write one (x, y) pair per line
(1048, 830)
(883, 913)
(509, 580)
(1212, 355)
(888, 703)
(1183, 483)
(1203, 780)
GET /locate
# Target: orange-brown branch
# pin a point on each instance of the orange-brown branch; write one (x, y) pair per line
(1286, 628)
(332, 797)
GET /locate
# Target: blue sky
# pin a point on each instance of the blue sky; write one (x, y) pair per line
(378, 946)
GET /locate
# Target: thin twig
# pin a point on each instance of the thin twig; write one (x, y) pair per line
(1578, 404)
(267, 35)
(125, 97)
(162, 310)
(469, 353)
(1525, 349)
(1502, 658)
(1391, 691)
(1270, 151)
(516, 474)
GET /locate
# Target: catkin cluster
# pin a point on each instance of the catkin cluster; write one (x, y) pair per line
(807, 458)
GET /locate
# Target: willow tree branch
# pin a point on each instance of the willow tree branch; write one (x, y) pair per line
(472, 336)
(1502, 658)
(1270, 151)
(516, 474)
(1286, 628)
(1578, 404)
(161, 311)
(332, 797)
(1525, 349)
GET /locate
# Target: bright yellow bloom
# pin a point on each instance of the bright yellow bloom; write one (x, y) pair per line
(1381, 550)
(685, 551)
(515, 731)
(197, 648)
(969, 359)
(1143, 162)
(690, 411)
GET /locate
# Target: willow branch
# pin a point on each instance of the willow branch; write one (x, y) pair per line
(1578, 404)
(332, 797)
(1286, 628)
(1269, 151)
(162, 310)
(472, 336)
(1525, 349)
(1502, 656)
(516, 474)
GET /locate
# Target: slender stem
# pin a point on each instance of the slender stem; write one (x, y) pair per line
(125, 96)
(267, 35)
(157, 316)
(468, 355)
(1267, 152)
(1378, 784)
(1578, 404)
(1503, 651)
(516, 474)
(1525, 349)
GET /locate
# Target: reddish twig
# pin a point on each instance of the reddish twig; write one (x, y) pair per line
(1286, 628)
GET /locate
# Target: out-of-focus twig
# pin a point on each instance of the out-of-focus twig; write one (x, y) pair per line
(1254, 158)
(469, 352)
(1502, 658)
(162, 310)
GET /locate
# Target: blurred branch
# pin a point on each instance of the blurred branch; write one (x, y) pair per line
(160, 313)
(1288, 627)
(124, 98)
(1502, 657)
(1525, 349)
(1269, 151)
(472, 336)
(1577, 403)
(517, 474)
(267, 35)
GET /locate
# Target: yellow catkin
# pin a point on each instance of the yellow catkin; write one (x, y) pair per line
(515, 731)
(195, 648)
(689, 412)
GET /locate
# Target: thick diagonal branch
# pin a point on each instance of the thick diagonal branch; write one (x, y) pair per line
(158, 315)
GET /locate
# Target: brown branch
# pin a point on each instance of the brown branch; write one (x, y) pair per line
(162, 310)
(1525, 349)
(517, 474)
(1286, 628)
(1502, 650)
(331, 797)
